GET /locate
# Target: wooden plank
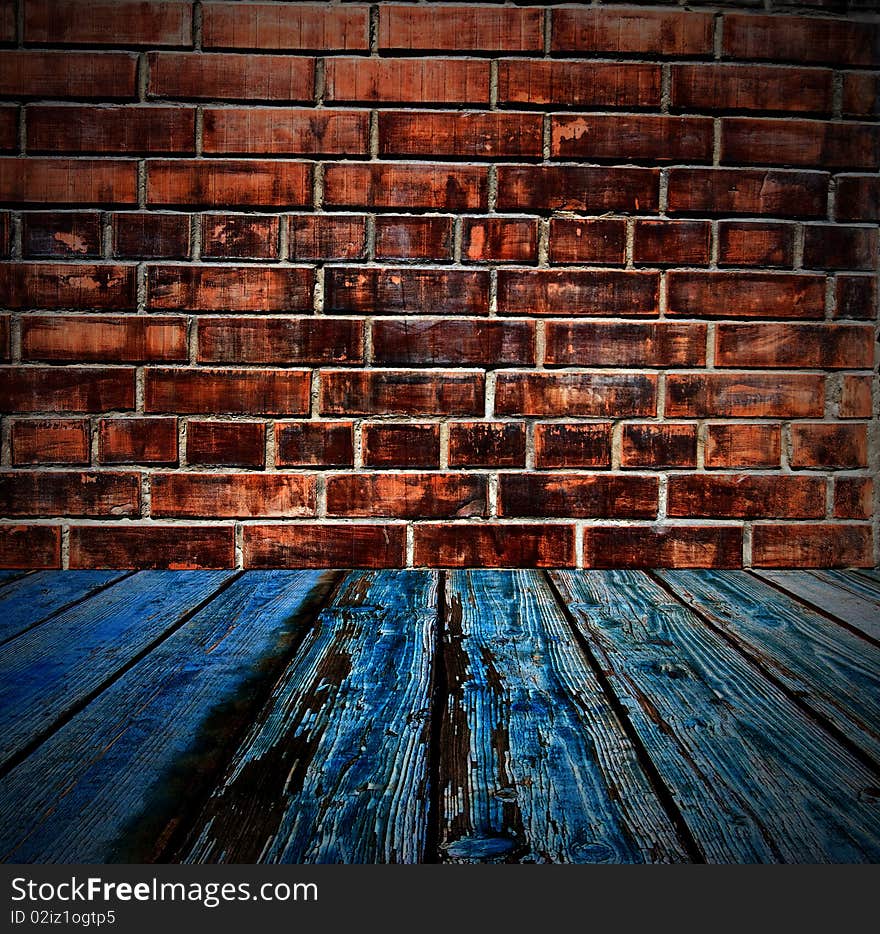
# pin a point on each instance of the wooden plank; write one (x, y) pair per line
(754, 777)
(30, 600)
(535, 765)
(147, 748)
(843, 604)
(335, 768)
(871, 574)
(854, 583)
(7, 577)
(833, 671)
(50, 669)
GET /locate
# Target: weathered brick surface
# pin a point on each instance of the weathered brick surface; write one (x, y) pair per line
(438, 284)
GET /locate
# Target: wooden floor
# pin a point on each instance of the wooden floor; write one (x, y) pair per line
(416, 716)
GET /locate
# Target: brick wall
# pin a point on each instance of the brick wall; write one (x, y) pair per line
(438, 284)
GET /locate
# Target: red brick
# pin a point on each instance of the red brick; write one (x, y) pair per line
(243, 495)
(631, 138)
(108, 22)
(406, 81)
(410, 187)
(324, 545)
(229, 183)
(492, 135)
(675, 243)
(861, 94)
(280, 340)
(573, 496)
(45, 235)
(587, 241)
(855, 397)
(494, 545)
(812, 545)
(578, 84)
(624, 343)
(55, 285)
(230, 76)
(30, 546)
(648, 546)
(403, 290)
(853, 498)
(800, 39)
(823, 346)
(745, 395)
(230, 288)
(283, 130)
(288, 26)
(406, 495)
(68, 181)
(151, 236)
(751, 87)
(487, 444)
(152, 545)
(746, 497)
(239, 236)
(227, 391)
(126, 129)
(445, 342)
(559, 444)
(829, 445)
(743, 446)
(748, 243)
(66, 389)
(314, 444)
(59, 441)
(5, 233)
(746, 141)
(461, 28)
(855, 297)
(45, 74)
(775, 192)
(858, 198)
(576, 394)
(227, 444)
(592, 189)
(401, 445)
(663, 445)
(576, 292)
(104, 339)
(499, 239)
(831, 246)
(8, 129)
(69, 493)
(622, 30)
(137, 441)
(414, 238)
(7, 21)
(327, 236)
(401, 392)
(746, 295)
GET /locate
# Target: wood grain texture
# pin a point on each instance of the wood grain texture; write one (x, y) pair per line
(843, 602)
(147, 746)
(754, 778)
(7, 577)
(851, 583)
(28, 601)
(833, 671)
(334, 770)
(871, 574)
(48, 670)
(535, 766)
